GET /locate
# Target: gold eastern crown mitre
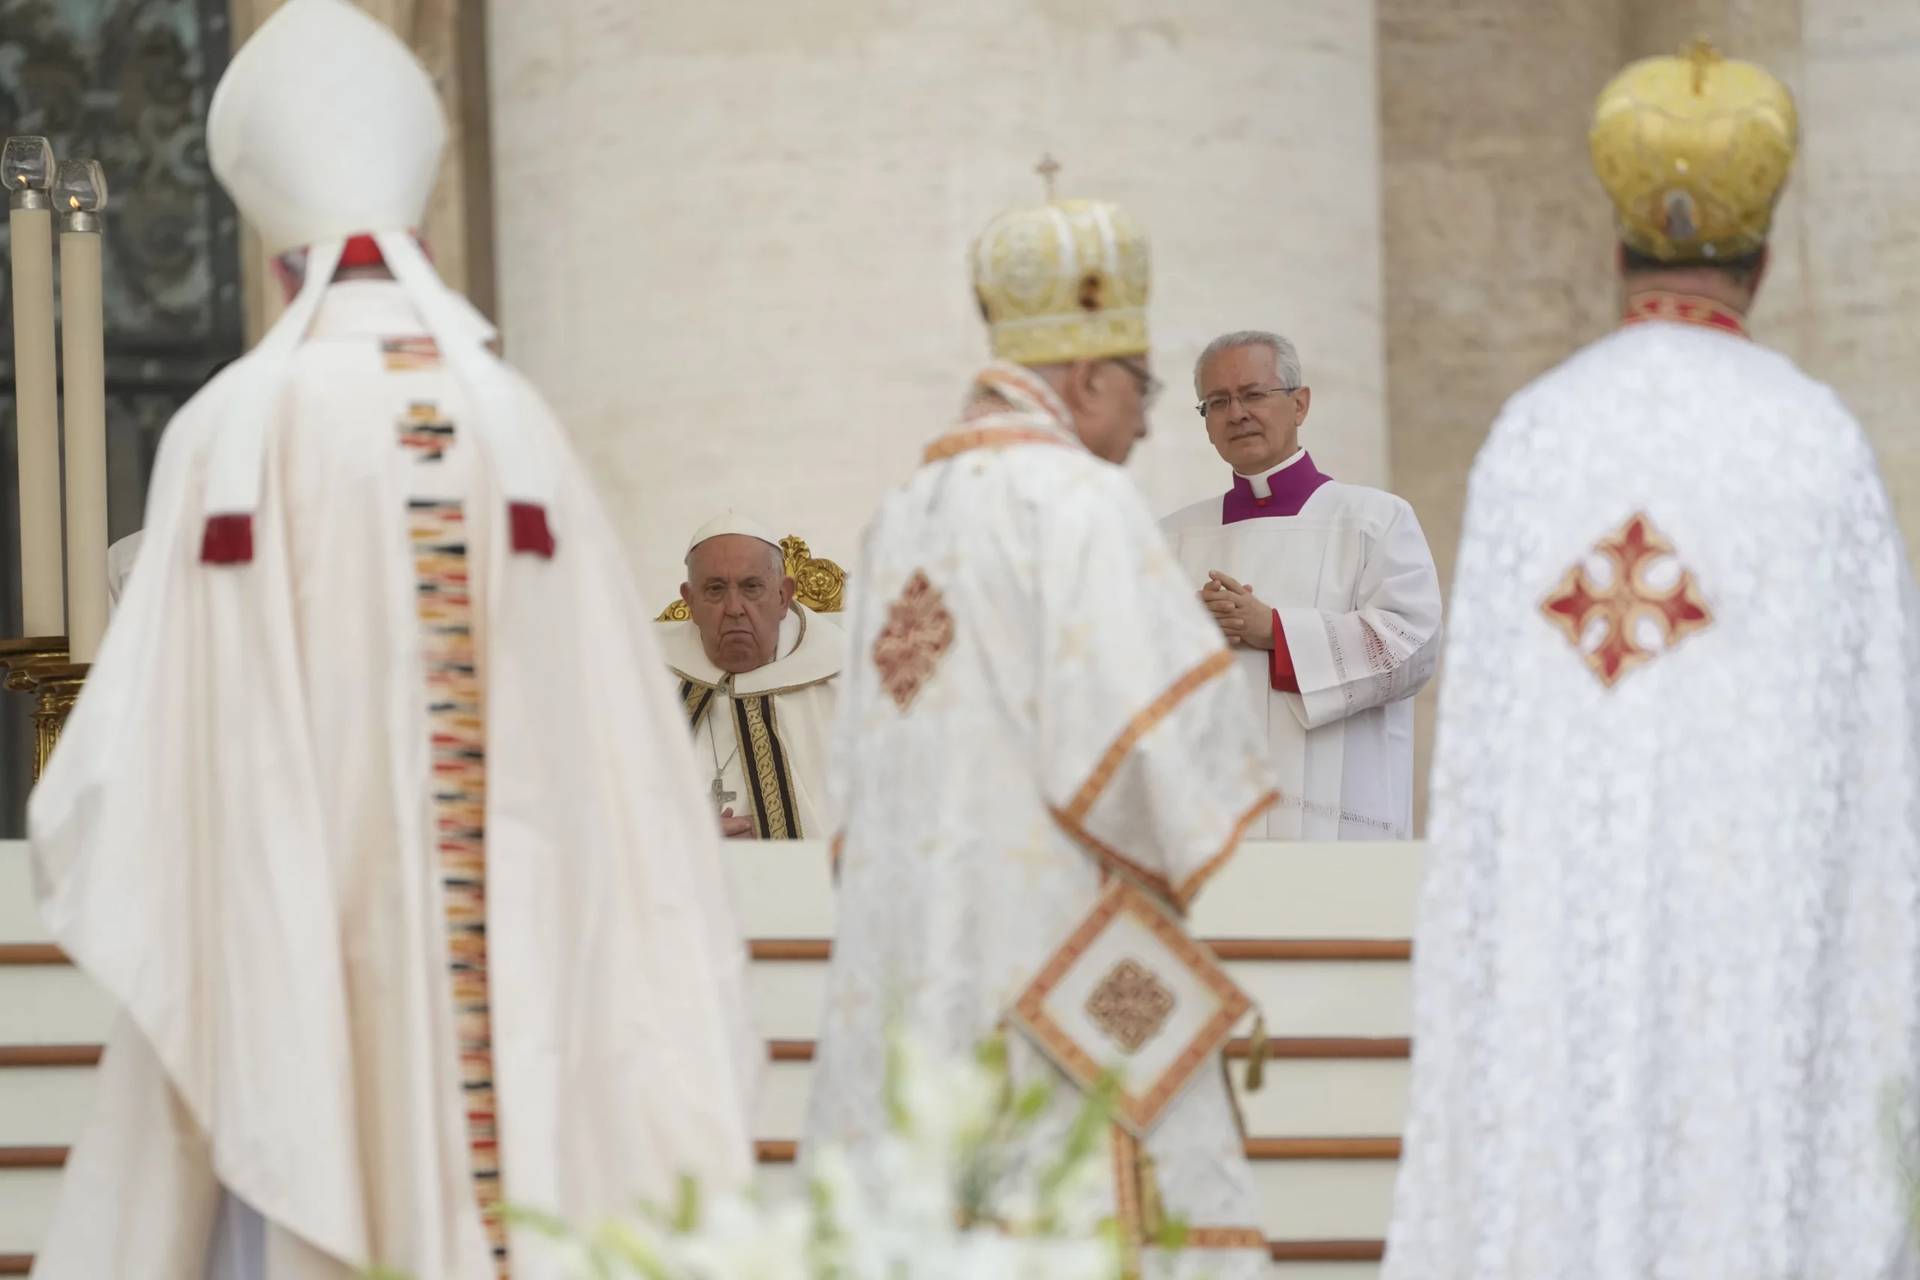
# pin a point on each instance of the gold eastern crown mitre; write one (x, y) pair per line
(1694, 151)
(1066, 280)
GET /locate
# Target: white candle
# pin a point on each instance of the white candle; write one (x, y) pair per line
(80, 194)
(27, 169)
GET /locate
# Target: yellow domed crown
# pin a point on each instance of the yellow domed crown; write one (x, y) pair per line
(1066, 280)
(1694, 151)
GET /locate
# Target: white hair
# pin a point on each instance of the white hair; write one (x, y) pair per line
(1286, 360)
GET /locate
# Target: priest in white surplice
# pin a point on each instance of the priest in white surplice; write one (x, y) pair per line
(1668, 953)
(1326, 591)
(756, 672)
(1035, 710)
(375, 819)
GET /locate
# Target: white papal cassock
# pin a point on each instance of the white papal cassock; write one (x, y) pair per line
(1034, 703)
(1356, 631)
(1668, 954)
(765, 731)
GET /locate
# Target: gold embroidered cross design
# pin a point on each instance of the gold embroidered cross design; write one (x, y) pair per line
(1130, 1005)
(919, 631)
(1611, 625)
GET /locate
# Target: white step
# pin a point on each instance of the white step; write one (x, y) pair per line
(785, 892)
(1299, 997)
(51, 1004)
(26, 1206)
(1268, 890)
(44, 1106)
(19, 921)
(1300, 1099)
(1300, 1199)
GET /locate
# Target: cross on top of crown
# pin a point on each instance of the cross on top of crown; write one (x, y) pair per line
(1047, 169)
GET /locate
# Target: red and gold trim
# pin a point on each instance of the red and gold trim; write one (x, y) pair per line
(1684, 308)
(1115, 860)
(1127, 1214)
(1215, 665)
(958, 442)
(1137, 1111)
(1191, 886)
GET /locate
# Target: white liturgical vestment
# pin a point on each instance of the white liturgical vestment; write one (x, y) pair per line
(1034, 703)
(1348, 573)
(387, 839)
(1668, 954)
(764, 732)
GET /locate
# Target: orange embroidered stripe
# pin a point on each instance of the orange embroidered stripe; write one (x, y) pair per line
(1126, 1193)
(456, 728)
(1152, 881)
(1193, 883)
(959, 442)
(1226, 1238)
(1137, 728)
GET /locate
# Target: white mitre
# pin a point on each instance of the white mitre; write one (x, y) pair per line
(325, 126)
(732, 522)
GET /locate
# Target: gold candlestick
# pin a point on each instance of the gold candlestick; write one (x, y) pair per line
(80, 195)
(38, 665)
(56, 687)
(27, 168)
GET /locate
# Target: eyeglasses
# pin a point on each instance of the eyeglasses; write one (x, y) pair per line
(1150, 386)
(1252, 399)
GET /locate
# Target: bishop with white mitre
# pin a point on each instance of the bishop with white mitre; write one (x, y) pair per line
(374, 819)
(756, 673)
(1326, 591)
(1667, 965)
(1041, 758)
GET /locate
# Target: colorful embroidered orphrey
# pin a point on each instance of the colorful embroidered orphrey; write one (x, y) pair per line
(456, 721)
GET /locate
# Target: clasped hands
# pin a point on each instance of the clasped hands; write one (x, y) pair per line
(1242, 617)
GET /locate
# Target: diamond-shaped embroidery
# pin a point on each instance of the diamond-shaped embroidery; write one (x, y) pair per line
(1130, 1005)
(1640, 605)
(919, 631)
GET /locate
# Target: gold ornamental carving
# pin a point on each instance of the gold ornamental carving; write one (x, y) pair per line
(38, 666)
(820, 584)
(56, 688)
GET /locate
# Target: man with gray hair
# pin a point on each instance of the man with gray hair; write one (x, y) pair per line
(1326, 592)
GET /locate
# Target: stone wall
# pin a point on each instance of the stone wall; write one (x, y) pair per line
(733, 237)
(1498, 245)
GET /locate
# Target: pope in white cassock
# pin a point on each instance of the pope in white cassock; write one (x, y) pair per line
(756, 672)
(375, 819)
(1668, 954)
(1040, 748)
(1326, 591)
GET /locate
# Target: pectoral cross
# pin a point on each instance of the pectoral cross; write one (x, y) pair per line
(721, 796)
